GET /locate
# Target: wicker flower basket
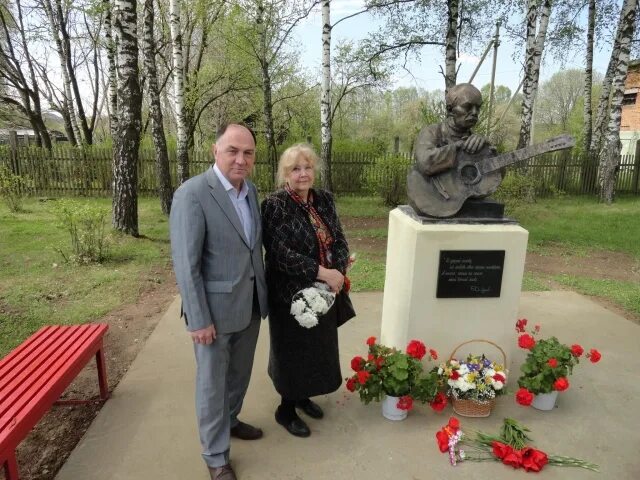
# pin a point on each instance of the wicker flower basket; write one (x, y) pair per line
(474, 408)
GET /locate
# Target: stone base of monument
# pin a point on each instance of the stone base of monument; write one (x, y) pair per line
(447, 283)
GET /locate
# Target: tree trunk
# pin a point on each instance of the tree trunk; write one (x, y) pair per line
(325, 98)
(535, 47)
(267, 108)
(67, 102)
(178, 85)
(588, 79)
(165, 192)
(608, 170)
(113, 76)
(62, 25)
(125, 174)
(451, 42)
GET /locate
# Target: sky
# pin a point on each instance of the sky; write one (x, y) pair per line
(425, 73)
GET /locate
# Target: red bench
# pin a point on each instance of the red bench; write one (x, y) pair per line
(36, 373)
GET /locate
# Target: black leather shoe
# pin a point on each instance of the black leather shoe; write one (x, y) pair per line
(244, 431)
(294, 426)
(310, 408)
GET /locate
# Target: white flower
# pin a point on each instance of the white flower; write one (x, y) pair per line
(318, 304)
(297, 307)
(307, 319)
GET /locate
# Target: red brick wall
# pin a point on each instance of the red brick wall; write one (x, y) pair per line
(631, 113)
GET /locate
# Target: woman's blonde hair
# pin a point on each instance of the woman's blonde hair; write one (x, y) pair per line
(291, 156)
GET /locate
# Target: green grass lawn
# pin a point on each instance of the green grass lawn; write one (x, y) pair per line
(37, 287)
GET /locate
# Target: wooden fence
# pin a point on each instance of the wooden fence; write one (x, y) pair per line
(67, 171)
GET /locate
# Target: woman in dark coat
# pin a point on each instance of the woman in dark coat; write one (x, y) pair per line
(304, 244)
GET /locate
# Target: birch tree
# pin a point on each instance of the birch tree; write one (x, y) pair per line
(536, 27)
(610, 158)
(587, 130)
(182, 152)
(125, 176)
(165, 191)
(325, 97)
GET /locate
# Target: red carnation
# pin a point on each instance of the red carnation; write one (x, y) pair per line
(416, 349)
(594, 355)
(363, 376)
(533, 460)
(370, 357)
(379, 361)
(553, 363)
(443, 440)
(561, 384)
(536, 328)
(524, 397)
(433, 354)
(405, 402)
(498, 378)
(576, 350)
(346, 286)
(454, 424)
(520, 325)
(454, 375)
(513, 458)
(351, 384)
(439, 402)
(357, 363)
(526, 341)
(500, 450)
(371, 341)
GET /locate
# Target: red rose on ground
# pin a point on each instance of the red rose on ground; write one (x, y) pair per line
(533, 460)
(416, 349)
(370, 357)
(561, 384)
(433, 354)
(553, 363)
(526, 341)
(499, 377)
(443, 440)
(500, 450)
(576, 350)
(520, 325)
(594, 355)
(371, 341)
(513, 458)
(439, 402)
(351, 384)
(454, 375)
(454, 424)
(363, 376)
(405, 402)
(357, 363)
(524, 397)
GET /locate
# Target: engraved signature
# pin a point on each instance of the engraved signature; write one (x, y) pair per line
(480, 289)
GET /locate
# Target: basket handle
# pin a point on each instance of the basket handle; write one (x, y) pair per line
(504, 355)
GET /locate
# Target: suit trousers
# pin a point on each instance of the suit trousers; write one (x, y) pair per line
(222, 377)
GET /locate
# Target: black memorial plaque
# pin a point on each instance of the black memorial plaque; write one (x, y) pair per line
(470, 273)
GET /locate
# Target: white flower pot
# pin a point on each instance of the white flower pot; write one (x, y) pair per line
(390, 410)
(545, 401)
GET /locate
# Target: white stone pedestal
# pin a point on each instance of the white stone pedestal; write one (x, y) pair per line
(410, 309)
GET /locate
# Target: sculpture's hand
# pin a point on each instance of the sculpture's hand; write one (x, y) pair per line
(474, 143)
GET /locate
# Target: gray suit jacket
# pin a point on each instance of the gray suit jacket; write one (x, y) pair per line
(215, 265)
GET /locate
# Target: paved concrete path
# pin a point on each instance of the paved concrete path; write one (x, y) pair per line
(147, 429)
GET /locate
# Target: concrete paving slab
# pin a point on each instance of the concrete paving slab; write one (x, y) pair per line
(147, 430)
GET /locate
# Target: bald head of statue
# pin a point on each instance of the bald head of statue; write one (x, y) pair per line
(463, 105)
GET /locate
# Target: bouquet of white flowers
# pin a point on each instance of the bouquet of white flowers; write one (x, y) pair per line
(310, 303)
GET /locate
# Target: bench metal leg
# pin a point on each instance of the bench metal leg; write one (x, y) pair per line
(102, 373)
(11, 468)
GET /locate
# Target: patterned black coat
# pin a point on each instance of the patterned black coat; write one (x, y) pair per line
(302, 362)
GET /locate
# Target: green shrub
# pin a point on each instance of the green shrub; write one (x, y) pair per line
(87, 227)
(516, 190)
(387, 177)
(12, 188)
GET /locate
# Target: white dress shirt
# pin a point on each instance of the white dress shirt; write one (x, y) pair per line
(239, 201)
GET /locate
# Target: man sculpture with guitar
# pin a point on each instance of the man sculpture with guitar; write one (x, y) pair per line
(452, 164)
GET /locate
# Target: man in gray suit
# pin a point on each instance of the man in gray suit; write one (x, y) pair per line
(216, 245)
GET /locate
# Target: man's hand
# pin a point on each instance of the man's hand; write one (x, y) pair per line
(474, 143)
(205, 336)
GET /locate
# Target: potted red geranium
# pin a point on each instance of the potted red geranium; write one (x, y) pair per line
(396, 378)
(547, 367)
